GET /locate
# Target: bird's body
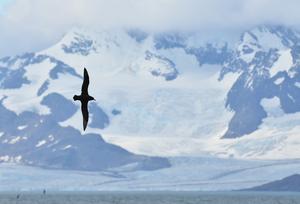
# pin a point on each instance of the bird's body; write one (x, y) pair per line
(84, 98)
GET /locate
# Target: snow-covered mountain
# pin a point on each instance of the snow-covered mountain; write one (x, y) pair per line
(159, 94)
(31, 114)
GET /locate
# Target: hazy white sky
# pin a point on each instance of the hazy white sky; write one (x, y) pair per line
(28, 25)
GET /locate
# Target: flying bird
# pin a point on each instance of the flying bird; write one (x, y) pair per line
(84, 98)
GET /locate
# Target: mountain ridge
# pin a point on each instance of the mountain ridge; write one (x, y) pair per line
(290, 183)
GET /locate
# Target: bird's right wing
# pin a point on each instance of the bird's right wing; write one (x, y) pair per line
(86, 81)
(85, 114)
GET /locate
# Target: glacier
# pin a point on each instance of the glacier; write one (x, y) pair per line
(186, 174)
(159, 96)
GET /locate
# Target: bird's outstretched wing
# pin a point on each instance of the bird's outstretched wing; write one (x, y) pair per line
(85, 114)
(85, 84)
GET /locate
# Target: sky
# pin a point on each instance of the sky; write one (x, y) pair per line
(31, 25)
(3, 4)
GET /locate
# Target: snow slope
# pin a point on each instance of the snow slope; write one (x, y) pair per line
(175, 109)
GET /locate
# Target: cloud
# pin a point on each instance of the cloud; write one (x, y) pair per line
(34, 24)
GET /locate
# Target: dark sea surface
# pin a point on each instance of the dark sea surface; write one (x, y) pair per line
(150, 197)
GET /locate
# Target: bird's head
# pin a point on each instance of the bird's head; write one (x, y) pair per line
(91, 98)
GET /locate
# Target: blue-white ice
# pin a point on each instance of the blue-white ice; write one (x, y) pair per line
(201, 174)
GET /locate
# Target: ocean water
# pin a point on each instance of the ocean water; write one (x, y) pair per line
(150, 198)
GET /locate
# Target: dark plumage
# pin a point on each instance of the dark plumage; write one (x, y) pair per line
(84, 98)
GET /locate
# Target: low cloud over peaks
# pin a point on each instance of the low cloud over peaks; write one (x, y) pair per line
(28, 25)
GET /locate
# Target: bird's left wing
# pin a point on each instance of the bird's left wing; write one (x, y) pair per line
(85, 114)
